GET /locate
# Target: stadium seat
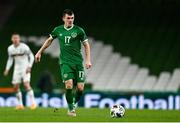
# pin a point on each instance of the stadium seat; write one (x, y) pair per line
(128, 78)
(174, 82)
(139, 79)
(162, 82)
(106, 73)
(149, 82)
(118, 73)
(100, 63)
(53, 49)
(96, 49)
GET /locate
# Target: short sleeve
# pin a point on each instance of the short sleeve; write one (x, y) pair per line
(83, 36)
(54, 33)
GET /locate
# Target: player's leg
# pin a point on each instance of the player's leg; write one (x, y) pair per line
(16, 84)
(30, 92)
(19, 96)
(69, 94)
(79, 91)
(68, 76)
(80, 78)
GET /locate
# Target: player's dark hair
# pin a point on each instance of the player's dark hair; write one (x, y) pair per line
(15, 33)
(67, 11)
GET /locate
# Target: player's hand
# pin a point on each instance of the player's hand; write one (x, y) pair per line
(6, 72)
(37, 57)
(88, 65)
(28, 70)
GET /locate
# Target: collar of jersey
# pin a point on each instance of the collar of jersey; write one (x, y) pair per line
(69, 28)
(16, 46)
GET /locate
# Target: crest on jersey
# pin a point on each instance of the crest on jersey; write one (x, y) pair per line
(73, 34)
(65, 75)
(60, 34)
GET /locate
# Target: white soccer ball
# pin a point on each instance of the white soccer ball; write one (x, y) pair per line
(117, 111)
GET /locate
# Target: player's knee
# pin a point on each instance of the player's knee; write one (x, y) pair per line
(80, 87)
(27, 86)
(16, 88)
(69, 84)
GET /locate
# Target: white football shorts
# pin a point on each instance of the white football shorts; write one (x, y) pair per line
(20, 76)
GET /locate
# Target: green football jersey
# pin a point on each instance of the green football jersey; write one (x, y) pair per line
(70, 40)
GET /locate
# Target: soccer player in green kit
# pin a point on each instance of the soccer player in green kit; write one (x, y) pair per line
(70, 38)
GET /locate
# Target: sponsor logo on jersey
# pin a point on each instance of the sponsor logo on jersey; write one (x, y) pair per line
(60, 34)
(73, 34)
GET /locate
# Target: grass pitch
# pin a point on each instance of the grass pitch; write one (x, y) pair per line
(87, 115)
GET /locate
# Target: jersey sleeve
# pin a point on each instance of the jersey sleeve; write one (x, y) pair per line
(54, 33)
(30, 55)
(83, 36)
(10, 60)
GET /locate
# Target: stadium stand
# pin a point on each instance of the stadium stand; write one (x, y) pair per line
(113, 72)
(141, 47)
(174, 82)
(128, 77)
(161, 84)
(149, 84)
(139, 79)
(118, 73)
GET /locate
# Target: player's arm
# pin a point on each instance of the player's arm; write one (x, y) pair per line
(87, 54)
(31, 61)
(9, 64)
(46, 44)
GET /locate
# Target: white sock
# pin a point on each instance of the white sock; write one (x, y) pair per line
(19, 98)
(31, 96)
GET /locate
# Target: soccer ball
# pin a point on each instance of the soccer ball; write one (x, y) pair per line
(117, 111)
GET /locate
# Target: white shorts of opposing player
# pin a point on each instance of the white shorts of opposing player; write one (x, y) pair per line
(20, 76)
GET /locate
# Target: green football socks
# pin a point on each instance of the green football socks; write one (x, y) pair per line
(69, 98)
(78, 95)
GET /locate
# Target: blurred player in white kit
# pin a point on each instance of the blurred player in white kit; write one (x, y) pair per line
(23, 59)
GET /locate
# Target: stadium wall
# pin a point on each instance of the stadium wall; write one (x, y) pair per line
(153, 101)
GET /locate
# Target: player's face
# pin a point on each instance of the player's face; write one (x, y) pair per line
(68, 20)
(15, 39)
